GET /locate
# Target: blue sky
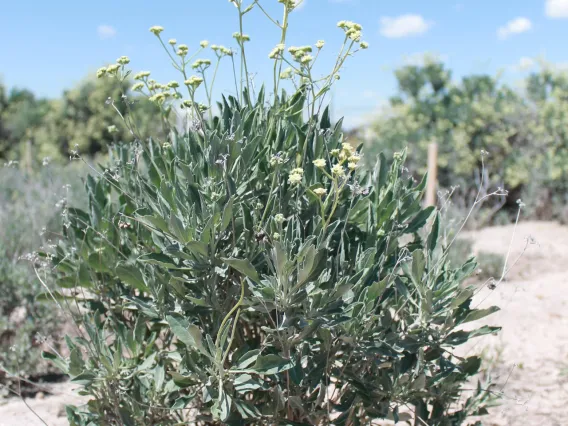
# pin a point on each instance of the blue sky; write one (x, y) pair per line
(50, 46)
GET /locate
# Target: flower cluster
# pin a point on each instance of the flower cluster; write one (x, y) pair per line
(112, 70)
(290, 4)
(193, 81)
(320, 192)
(203, 64)
(156, 30)
(189, 104)
(221, 50)
(319, 163)
(277, 160)
(345, 155)
(241, 38)
(301, 54)
(353, 32)
(142, 75)
(182, 50)
(295, 176)
(287, 73)
(277, 51)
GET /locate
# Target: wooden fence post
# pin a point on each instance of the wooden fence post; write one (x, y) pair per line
(431, 184)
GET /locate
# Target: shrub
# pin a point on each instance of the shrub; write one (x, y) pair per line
(247, 271)
(523, 132)
(27, 212)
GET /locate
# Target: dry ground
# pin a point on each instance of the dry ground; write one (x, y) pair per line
(529, 358)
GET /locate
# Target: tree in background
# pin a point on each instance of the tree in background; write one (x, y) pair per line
(523, 133)
(84, 119)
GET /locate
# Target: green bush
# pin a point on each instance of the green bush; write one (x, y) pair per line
(522, 134)
(249, 272)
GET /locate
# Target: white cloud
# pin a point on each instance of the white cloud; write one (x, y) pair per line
(404, 26)
(106, 31)
(556, 8)
(516, 26)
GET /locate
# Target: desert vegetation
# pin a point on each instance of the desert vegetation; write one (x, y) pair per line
(183, 259)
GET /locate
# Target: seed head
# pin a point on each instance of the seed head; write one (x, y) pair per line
(320, 44)
(364, 45)
(172, 41)
(138, 87)
(101, 72)
(204, 43)
(320, 192)
(279, 218)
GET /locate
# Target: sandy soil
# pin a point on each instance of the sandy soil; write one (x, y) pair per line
(528, 360)
(530, 354)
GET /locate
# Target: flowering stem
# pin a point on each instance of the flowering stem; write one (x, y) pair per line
(175, 64)
(278, 63)
(243, 54)
(210, 95)
(267, 15)
(269, 199)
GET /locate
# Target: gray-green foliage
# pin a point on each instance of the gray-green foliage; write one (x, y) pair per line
(197, 294)
(249, 271)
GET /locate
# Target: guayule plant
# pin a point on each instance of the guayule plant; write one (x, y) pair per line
(247, 271)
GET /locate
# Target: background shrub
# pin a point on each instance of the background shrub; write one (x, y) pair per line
(29, 217)
(523, 132)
